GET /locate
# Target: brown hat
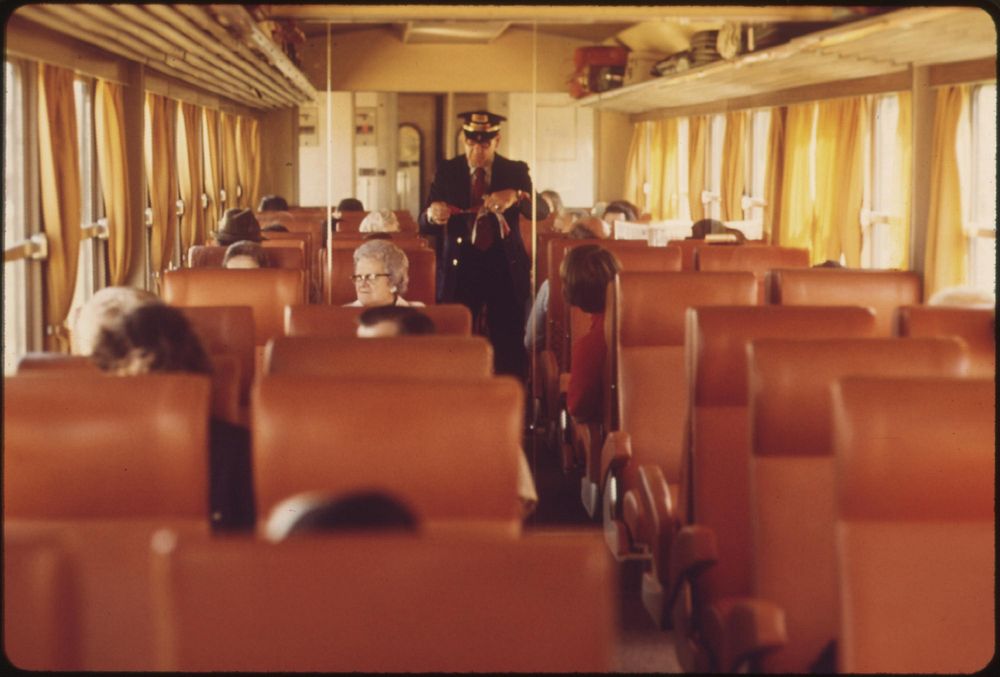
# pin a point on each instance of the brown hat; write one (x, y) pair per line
(481, 125)
(237, 224)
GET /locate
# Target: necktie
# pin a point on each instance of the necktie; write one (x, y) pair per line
(478, 188)
(484, 227)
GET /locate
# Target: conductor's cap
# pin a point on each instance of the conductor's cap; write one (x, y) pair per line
(481, 125)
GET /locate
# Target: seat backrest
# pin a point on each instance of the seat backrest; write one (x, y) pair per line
(403, 240)
(342, 322)
(266, 290)
(881, 290)
(98, 446)
(211, 256)
(915, 467)
(449, 448)
(975, 326)
(458, 357)
(792, 471)
(422, 267)
(758, 259)
(350, 222)
(718, 495)
(59, 363)
(688, 249)
(227, 330)
(387, 603)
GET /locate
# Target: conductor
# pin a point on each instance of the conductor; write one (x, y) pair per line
(475, 203)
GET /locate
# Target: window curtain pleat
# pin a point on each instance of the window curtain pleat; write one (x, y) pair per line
(840, 135)
(797, 208)
(657, 156)
(697, 154)
(899, 210)
(733, 165)
(112, 165)
(248, 159)
(230, 171)
(944, 261)
(161, 177)
(664, 178)
(775, 175)
(59, 167)
(635, 165)
(213, 172)
(189, 166)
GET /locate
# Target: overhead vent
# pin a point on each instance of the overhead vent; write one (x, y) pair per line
(453, 32)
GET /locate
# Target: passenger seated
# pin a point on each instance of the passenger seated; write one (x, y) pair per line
(384, 321)
(703, 227)
(314, 513)
(236, 225)
(244, 254)
(158, 338)
(381, 275)
(618, 210)
(382, 221)
(563, 220)
(272, 203)
(586, 272)
(534, 331)
(348, 204)
(104, 309)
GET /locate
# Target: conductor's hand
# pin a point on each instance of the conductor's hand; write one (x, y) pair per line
(500, 200)
(437, 212)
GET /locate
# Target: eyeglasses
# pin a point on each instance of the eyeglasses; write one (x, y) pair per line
(367, 277)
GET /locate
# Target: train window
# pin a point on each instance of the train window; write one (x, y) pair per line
(760, 127)
(14, 222)
(86, 282)
(982, 188)
(885, 221)
(713, 188)
(683, 206)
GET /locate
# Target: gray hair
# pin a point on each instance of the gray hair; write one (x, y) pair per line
(104, 310)
(392, 257)
(382, 221)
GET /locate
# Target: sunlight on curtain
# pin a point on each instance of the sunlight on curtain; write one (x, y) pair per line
(59, 166)
(230, 173)
(899, 209)
(213, 179)
(189, 166)
(944, 261)
(161, 177)
(733, 165)
(775, 175)
(697, 155)
(840, 134)
(248, 159)
(112, 164)
(635, 165)
(796, 214)
(664, 178)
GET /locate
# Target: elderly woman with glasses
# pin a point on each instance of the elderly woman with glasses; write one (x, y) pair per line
(381, 274)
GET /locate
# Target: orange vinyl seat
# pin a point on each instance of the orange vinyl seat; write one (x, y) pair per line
(417, 357)
(975, 326)
(403, 239)
(106, 446)
(724, 627)
(58, 363)
(916, 524)
(792, 472)
(386, 603)
(350, 222)
(881, 290)
(210, 256)
(342, 322)
(227, 331)
(450, 449)
(266, 290)
(758, 259)
(421, 271)
(689, 249)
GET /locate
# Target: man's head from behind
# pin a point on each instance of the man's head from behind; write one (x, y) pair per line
(387, 321)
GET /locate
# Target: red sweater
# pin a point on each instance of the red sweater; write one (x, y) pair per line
(585, 396)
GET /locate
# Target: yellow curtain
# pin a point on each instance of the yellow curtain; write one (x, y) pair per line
(635, 165)
(213, 171)
(899, 210)
(161, 177)
(248, 159)
(112, 165)
(840, 135)
(230, 173)
(944, 260)
(657, 157)
(796, 212)
(697, 153)
(664, 179)
(775, 175)
(59, 167)
(189, 165)
(733, 165)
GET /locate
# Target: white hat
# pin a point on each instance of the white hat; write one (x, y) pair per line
(381, 221)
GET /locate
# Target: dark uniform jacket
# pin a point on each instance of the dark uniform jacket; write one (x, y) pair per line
(451, 185)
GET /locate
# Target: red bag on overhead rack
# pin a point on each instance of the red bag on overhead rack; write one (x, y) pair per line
(598, 69)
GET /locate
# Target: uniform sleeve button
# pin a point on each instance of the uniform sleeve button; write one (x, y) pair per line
(454, 262)
(459, 240)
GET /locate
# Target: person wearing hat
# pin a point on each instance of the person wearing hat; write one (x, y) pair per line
(235, 225)
(474, 206)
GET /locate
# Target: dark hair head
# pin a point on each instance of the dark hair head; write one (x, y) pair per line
(245, 248)
(703, 227)
(152, 337)
(409, 321)
(358, 511)
(274, 228)
(350, 204)
(625, 207)
(586, 271)
(829, 263)
(272, 203)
